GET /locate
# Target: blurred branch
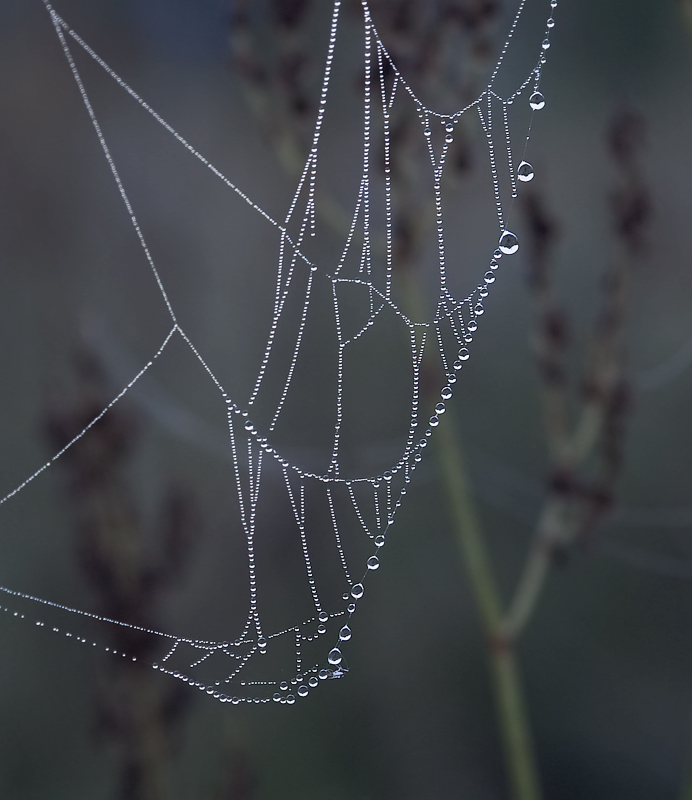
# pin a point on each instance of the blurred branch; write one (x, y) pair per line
(127, 580)
(571, 507)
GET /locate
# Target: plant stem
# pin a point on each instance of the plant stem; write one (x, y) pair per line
(511, 709)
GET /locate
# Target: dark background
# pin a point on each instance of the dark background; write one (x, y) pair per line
(607, 657)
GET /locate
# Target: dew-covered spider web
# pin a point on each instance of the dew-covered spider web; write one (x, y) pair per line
(340, 510)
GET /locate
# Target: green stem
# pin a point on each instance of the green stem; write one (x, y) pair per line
(511, 709)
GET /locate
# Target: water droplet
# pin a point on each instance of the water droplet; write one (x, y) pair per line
(483, 291)
(357, 591)
(449, 138)
(457, 365)
(525, 171)
(545, 44)
(290, 699)
(464, 354)
(321, 628)
(494, 264)
(323, 674)
(312, 682)
(449, 127)
(334, 656)
(277, 697)
(536, 101)
(446, 393)
(249, 426)
(261, 643)
(478, 310)
(323, 616)
(351, 608)
(373, 562)
(345, 596)
(379, 541)
(303, 691)
(387, 475)
(440, 408)
(426, 132)
(550, 23)
(489, 277)
(345, 633)
(509, 244)
(433, 421)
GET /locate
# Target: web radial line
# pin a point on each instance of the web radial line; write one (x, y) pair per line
(334, 466)
(376, 500)
(93, 421)
(247, 521)
(351, 230)
(486, 124)
(97, 617)
(366, 264)
(508, 143)
(356, 508)
(503, 52)
(296, 349)
(387, 172)
(57, 24)
(311, 163)
(299, 514)
(337, 537)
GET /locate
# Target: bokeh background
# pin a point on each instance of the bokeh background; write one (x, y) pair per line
(607, 656)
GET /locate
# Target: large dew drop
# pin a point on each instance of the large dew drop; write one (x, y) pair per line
(509, 243)
(334, 656)
(525, 171)
(536, 101)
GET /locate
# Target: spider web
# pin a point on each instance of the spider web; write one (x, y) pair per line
(340, 511)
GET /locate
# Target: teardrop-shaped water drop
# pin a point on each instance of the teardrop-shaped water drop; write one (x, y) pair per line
(478, 309)
(440, 408)
(473, 325)
(446, 393)
(379, 542)
(509, 243)
(373, 562)
(457, 365)
(525, 172)
(334, 656)
(536, 101)
(545, 44)
(489, 277)
(345, 633)
(433, 421)
(321, 628)
(464, 354)
(357, 591)
(550, 23)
